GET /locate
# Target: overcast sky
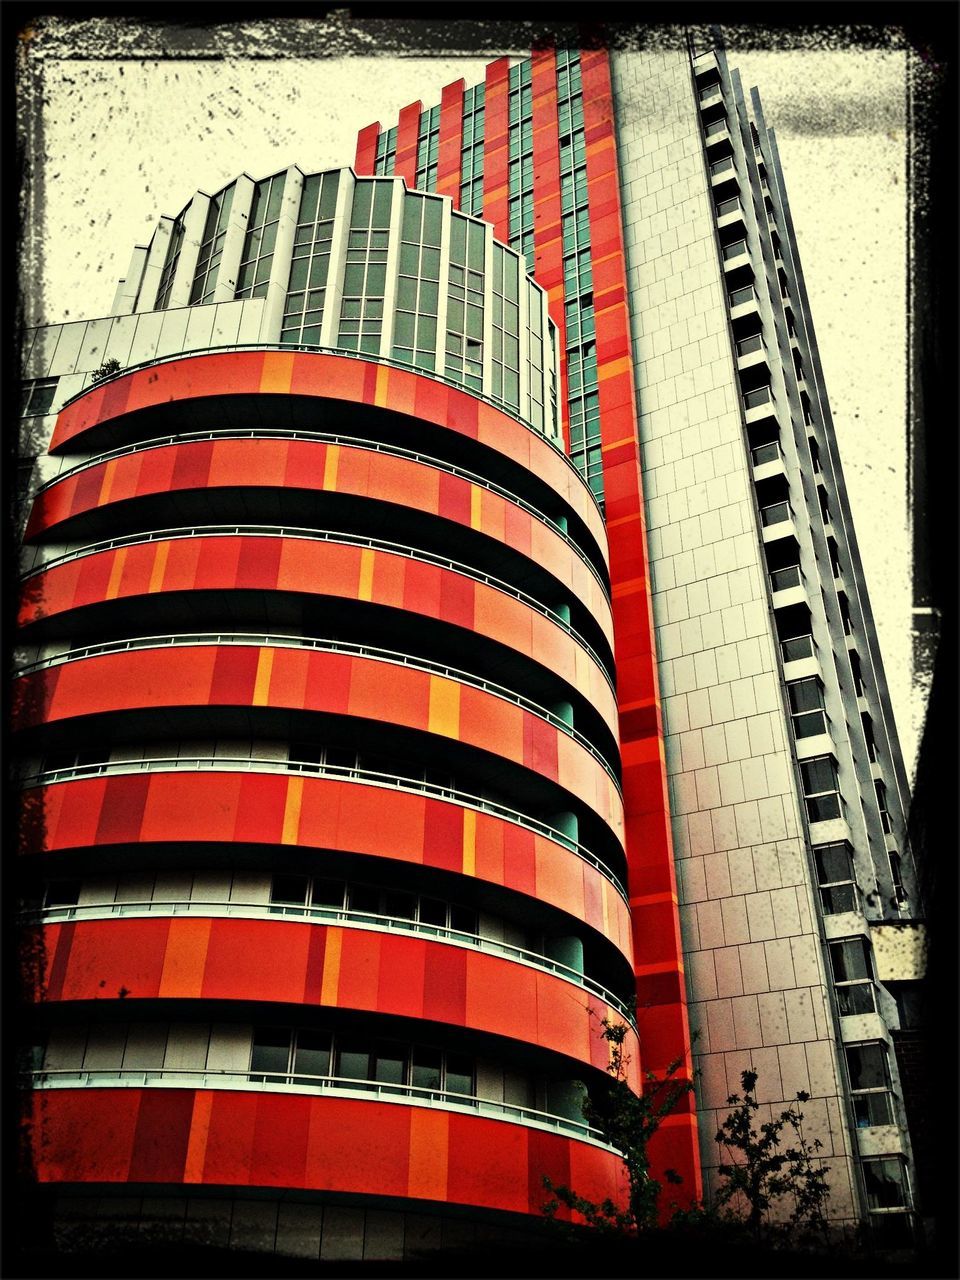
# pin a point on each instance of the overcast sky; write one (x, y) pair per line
(126, 139)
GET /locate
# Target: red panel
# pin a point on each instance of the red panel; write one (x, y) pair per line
(161, 1136)
(496, 191)
(405, 165)
(315, 1143)
(451, 142)
(366, 150)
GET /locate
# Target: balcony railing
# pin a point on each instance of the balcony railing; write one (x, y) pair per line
(343, 773)
(287, 1082)
(321, 535)
(330, 915)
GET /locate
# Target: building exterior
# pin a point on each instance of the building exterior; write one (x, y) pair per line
(451, 597)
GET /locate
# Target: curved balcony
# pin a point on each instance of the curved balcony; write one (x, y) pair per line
(323, 680)
(324, 807)
(392, 656)
(284, 373)
(276, 962)
(342, 918)
(339, 441)
(326, 1086)
(304, 480)
(266, 1138)
(316, 563)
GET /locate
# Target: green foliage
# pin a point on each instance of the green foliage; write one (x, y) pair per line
(628, 1122)
(764, 1170)
(106, 370)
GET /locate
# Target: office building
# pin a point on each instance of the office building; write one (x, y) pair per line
(443, 629)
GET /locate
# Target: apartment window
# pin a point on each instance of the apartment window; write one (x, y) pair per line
(294, 892)
(886, 1182)
(835, 878)
(708, 91)
(821, 789)
(714, 127)
(796, 648)
(769, 452)
(280, 1056)
(471, 154)
(814, 455)
(844, 604)
(896, 875)
(418, 285)
(853, 976)
(824, 504)
(870, 1087)
(788, 576)
(428, 149)
(734, 250)
(386, 153)
(856, 672)
(309, 267)
(37, 396)
(257, 258)
(739, 296)
(730, 205)
(834, 553)
(759, 396)
(723, 165)
(806, 707)
(776, 513)
(364, 277)
(464, 337)
(871, 741)
(885, 820)
(753, 343)
(170, 265)
(211, 247)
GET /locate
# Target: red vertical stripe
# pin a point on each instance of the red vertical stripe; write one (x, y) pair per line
(408, 126)
(366, 150)
(451, 142)
(496, 155)
(547, 225)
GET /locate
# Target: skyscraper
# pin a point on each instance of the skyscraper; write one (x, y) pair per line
(322, 700)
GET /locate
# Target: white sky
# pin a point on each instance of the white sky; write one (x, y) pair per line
(126, 140)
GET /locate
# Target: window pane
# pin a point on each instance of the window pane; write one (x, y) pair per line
(868, 1066)
(885, 1184)
(426, 1069)
(271, 1051)
(312, 1054)
(390, 1065)
(353, 1062)
(291, 889)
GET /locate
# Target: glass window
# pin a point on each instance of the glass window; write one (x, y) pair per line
(427, 1068)
(270, 1054)
(835, 876)
(390, 1064)
(257, 256)
(886, 1183)
(38, 396)
(870, 1084)
(353, 1061)
(806, 707)
(311, 1055)
(852, 975)
(821, 788)
(885, 820)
